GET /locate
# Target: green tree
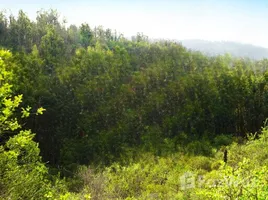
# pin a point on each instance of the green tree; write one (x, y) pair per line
(22, 174)
(86, 35)
(52, 50)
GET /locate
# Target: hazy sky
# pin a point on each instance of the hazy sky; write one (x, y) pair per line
(243, 21)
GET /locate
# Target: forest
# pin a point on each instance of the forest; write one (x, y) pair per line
(86, 113)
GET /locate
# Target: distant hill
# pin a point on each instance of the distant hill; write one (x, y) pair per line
(218, 48)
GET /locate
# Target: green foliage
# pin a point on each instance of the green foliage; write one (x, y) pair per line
(222, 140)
(86, 35)
(110, 100)
(179, 176)
(107, 96)
(245, 181)
(8, 103)
(51, 49)
(22, 174)
(199, 147)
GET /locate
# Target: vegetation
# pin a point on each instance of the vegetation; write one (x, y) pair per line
(126, 119)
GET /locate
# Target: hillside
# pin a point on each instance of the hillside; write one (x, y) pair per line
(86, 113)
(220, 48)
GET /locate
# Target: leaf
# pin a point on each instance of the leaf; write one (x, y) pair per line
(26, 112)
(40, 111)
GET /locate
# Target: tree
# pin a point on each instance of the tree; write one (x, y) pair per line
(20, 32)
(52, 49)
(3, 28)
(86, 35)
(19, 155)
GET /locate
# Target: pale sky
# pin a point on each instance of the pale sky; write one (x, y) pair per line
(244, 21)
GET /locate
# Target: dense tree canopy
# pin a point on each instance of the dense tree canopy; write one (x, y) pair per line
(105, 94)
(109, 99)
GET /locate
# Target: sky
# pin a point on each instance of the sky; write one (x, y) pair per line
(244, 21)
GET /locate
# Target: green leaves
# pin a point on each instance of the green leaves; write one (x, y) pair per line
(22, 174)
(86, 35)
(40, 111)
(25, 112)
(8, 104)
(22, 156)
(52, 49)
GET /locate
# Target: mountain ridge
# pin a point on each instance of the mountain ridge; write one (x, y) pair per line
(236, 49)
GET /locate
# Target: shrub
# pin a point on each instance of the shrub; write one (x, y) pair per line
(199, 148)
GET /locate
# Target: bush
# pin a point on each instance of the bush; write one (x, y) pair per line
(199, 148)
(222, 140)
